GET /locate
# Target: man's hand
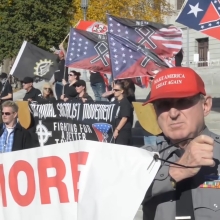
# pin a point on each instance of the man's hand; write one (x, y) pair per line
(64, 82)
(198, 153)
(62, 97)
(65, 99)
(115, 134)
(29, 100)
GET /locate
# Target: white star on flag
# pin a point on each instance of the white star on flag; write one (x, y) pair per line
(195, 9)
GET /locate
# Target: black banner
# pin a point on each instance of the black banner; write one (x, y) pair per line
(60, 122)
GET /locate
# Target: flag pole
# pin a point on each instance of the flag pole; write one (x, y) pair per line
(187, 45)
(65, 67)
(65, 38)
(69, 33)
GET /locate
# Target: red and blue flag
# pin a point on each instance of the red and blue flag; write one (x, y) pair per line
(201, 15)
(130, 60)
(87, 50)
(164, 40)
(103, 131)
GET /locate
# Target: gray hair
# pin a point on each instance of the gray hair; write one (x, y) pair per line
(11, 104)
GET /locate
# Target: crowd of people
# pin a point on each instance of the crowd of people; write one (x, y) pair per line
(186, 184)
(121, 92)
(187, 181)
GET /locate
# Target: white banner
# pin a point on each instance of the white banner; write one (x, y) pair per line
(77, 180)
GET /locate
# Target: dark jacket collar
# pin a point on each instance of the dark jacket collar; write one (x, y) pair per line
(17, 126)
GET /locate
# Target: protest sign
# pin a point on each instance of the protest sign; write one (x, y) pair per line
(60, 122)
(77, 180)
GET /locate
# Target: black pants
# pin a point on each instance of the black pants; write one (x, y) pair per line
(124, 137)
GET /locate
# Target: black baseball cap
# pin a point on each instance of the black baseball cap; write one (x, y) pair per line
(3, 75)
(28, 79)
(80, 83)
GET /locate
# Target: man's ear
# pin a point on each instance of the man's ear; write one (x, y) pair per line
(207, 105)
(15, 114)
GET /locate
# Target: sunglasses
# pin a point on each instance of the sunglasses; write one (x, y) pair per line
(47, 88)
(7, 113)
(116, 90)
(70, 75)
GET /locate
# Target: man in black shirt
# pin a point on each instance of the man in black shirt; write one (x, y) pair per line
(32, 93)
(6, 92)
(61, 73)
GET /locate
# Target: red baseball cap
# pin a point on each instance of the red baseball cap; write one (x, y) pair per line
(176, 82)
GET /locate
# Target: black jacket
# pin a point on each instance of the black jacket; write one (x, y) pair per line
(22, 138)
(96, 78)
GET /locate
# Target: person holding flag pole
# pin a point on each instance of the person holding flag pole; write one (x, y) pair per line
(6, 92)
(60, 74)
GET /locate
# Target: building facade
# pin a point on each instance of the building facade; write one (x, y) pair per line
(200, 49)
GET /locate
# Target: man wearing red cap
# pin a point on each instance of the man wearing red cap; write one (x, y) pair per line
(187, 185)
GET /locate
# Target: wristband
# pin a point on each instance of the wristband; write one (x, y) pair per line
(173, 182)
